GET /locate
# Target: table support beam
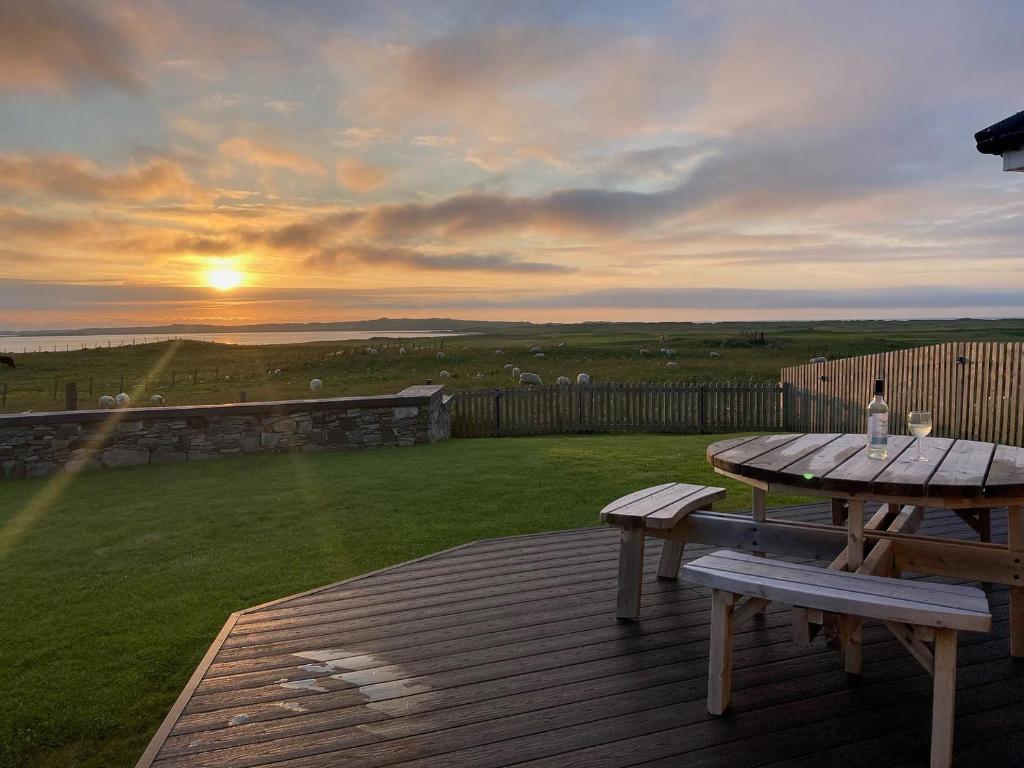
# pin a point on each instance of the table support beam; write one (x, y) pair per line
(1015, 545)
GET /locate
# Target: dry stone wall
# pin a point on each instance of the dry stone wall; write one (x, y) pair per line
(40, 444)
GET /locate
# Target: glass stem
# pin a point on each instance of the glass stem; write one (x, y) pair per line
(919, 449)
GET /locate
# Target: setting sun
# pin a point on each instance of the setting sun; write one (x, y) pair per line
(224, 279)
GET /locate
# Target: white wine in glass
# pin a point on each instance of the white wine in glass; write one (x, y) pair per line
(920, 425)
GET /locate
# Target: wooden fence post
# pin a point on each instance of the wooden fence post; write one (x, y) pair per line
(71, 396)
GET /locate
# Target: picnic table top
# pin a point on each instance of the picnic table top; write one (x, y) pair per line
(957, 471)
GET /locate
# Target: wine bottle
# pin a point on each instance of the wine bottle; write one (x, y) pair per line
(878, 423)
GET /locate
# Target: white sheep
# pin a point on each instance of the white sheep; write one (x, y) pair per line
(315, 384)
(439, 355)
(669, 352)
(562, 344)
(671, 364)
(373, 351)
(819, 359)
(277, 371)
(444, 374)
(535, 350)
(530, 379)
(715, 354)
(515, 373)
(583, 379)
(645, 353)
(106, 401)
(156, 400)
(507, 368)
(499, 351)
(401, 350)
(122, 399)
(563, 381)
(539, 355)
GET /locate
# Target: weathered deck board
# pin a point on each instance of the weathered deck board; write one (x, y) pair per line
(507, 652)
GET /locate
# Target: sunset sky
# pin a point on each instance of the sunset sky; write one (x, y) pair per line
(234, 162)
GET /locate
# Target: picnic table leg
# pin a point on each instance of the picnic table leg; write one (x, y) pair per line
(720, 657)
(758, 509)
(943, 694)
(631, 573)
(851, 625)
(1015, 541)
(671, 557)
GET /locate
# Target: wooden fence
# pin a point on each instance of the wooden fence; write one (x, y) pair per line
(616, 408)
(974, 390)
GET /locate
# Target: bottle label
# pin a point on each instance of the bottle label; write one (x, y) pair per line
(878, 429)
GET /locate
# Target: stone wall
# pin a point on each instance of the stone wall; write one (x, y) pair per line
(39, 444)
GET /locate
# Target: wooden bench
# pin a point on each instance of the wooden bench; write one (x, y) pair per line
(923, 616)
(653, 511)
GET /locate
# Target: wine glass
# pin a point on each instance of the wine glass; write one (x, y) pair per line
(920, 425)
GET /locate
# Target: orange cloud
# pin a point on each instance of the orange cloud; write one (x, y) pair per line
(360, 176)
(76, 177)
(59, 46)
(267, 155)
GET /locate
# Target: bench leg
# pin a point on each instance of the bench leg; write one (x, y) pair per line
(1015, 523)
(720, 664)
(671, 557)
(853, 650)
(631, 573)
(944, 692)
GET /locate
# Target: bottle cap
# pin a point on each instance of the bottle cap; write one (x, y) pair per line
(879, 387)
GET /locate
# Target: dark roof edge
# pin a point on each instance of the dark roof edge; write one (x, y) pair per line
(1000, 137)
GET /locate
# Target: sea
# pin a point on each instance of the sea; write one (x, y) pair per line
(13, 344)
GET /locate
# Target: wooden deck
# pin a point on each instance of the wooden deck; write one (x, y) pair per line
(506, 652)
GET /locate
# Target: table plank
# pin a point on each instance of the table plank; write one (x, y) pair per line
(734, 459)
(962, 472)
(1006, 474)
(769, 464)
(856, 473)
(723, 445)
(814, 466)
(906, 476)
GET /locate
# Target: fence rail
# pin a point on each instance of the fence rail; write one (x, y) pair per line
(974, 390)
(606, 407)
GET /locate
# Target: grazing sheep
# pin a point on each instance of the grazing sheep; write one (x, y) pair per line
(444, 374)
(645, 353)
(669, 352)
(122, 399)
(562, 344)
(671, 364)
(507, 368)
(819, 359)
(539, 354)
(277, 371)
(439, 355)
(535, 350)
(401, 350)
(715, 354)
(315, 384)
(563, 381)
(106, 401)
(156, 400)
(516, 372)
(8, 361)
(499, 351)
(530, 379)
(582, 379)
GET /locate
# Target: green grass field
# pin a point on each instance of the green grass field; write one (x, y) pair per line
(115, 584)
(197, 372)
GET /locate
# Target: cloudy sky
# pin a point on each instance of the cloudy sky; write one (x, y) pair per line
(544, 161)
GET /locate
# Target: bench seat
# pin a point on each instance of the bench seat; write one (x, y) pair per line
(653, 511)
(925, 617)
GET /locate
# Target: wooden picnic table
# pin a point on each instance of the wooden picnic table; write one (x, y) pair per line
(967, 476)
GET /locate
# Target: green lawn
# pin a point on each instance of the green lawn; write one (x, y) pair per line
(113, 589)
